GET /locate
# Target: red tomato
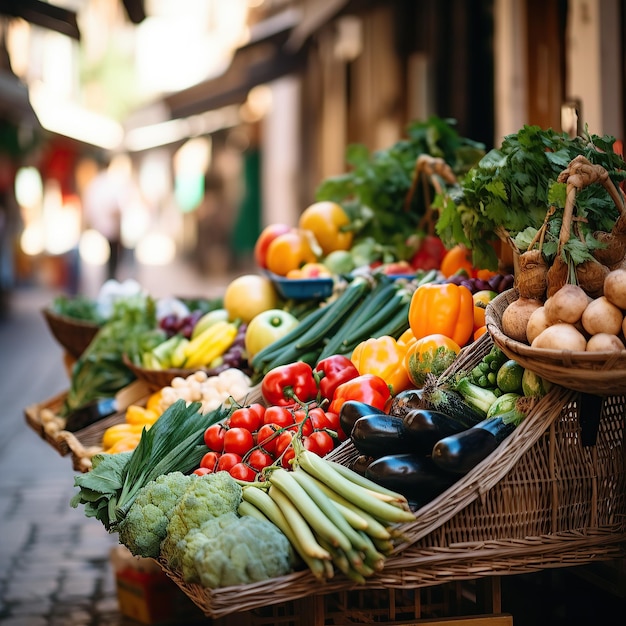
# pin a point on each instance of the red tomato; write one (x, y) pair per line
(214, 437)
(258, 459)
(266, 437)
(279, 415)
(322, 443)
(201, 471)
(335, 425)
(283, 442)
(319, 419)
(287, 457)
(226, 461)
(247, 418)
(209, 460)
(238, 440)
(241, 471)
(303, 422)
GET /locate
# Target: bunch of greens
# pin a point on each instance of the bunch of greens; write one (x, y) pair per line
(375, 190)
(510, 190)
(173, 444)
(100, 372)
(77, 307)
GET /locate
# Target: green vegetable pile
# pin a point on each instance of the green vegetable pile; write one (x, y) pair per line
(375, 190)
(510, 190)
(100, 371)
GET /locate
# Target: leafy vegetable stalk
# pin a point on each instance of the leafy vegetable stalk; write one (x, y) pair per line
(100, 371)
(173, 444)
(510, 190)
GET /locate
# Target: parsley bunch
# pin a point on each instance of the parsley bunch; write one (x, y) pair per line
(512, 188)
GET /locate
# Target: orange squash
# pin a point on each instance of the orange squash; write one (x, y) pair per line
(432, 354)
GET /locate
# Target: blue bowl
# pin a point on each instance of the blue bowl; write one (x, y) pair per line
(302, 288)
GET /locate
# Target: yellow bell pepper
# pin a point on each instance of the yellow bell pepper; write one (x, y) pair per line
(383, 357)
(445, 309)
(136, 414)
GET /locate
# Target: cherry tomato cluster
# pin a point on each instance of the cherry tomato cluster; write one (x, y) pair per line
(255, 436)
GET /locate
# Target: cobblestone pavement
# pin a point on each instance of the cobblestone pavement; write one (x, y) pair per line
(54, 562)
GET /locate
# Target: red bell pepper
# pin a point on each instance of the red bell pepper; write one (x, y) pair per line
(368, 388)
(332, 372)
(286, 384)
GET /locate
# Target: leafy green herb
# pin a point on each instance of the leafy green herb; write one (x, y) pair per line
(375, 190)
(173, 444)
(77, 307)
(512, 188)
(100, 371)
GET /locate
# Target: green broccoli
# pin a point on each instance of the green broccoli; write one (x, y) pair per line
(233, 550)
(145, 524)
(209, 496)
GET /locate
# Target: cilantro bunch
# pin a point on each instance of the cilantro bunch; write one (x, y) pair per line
(374, 190)
(512, 187)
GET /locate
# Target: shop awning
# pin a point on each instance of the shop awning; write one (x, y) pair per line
(277, 47)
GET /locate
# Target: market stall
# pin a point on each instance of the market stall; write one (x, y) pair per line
(381, 405)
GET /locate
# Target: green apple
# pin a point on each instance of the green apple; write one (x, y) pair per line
(266, 327)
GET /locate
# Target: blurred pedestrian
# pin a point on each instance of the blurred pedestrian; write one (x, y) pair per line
(103, 204)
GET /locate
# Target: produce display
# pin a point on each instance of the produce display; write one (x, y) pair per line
(228, 475)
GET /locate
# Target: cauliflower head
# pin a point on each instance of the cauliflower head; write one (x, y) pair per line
(233, 550)
(144, 527)
(208, 496)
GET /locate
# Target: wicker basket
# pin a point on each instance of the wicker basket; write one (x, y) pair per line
(73, 334)
(81, 445)
(542, 499)
(602, 373)
(156, 379)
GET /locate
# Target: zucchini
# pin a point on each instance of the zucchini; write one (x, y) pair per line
(352, 410)
(459, 453)
(415, 476)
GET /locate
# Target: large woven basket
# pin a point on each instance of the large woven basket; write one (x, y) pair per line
(73, 334)
(602, 373)
(156, 379)
(542, 499)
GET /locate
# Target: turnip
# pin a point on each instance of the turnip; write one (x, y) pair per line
(566, 304)
(561, 336)
(537, 322)
(615, 287)
(604, 342)
(515, 318)
(601, 316)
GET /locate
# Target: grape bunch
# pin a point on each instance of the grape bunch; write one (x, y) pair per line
(497, 283)
(174, 324)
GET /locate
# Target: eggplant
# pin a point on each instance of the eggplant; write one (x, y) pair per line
(90, 413)
(415, 476)
(425, 428)
(408, 400)
(361, 463)
(460, 452)
(352, 410)
(376, 435)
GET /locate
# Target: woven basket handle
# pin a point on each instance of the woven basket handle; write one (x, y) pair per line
(430, 171)
(581, 173)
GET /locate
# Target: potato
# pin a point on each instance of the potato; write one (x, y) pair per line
(537, 322)
(515, 318)
(561, 336)
(604, 342)
(566, 305)
(601, 316)
(615, 288)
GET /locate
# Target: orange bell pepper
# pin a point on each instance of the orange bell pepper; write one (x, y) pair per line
(442, 308)
(383, 356)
